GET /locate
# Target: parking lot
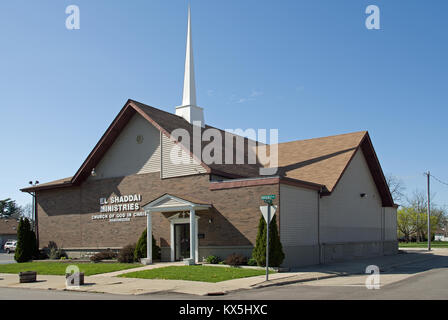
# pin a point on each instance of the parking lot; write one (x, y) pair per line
(6, 258)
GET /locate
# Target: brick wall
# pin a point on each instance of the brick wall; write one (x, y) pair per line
(65, 215)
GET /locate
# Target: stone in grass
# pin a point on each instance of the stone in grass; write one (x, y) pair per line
(189, 262)
(27, 276)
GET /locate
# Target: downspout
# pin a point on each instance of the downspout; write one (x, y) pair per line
(383, 228)
(36, 225)
(318, 226)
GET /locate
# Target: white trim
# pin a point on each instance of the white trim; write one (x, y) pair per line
(176, 220)
(183, 206)
(149, 238)
(193, 236)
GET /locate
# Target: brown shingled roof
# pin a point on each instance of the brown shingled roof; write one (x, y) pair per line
(169, 122)
(8, 226)
(321, 161)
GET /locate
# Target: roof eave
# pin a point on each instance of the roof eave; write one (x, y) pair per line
(53, 186)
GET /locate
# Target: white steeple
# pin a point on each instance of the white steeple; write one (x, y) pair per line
(189, 110)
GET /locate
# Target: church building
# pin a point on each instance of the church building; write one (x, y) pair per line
(149, 170)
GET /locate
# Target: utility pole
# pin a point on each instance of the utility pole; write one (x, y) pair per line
(428, 176)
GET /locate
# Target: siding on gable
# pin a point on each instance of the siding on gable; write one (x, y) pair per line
(345, 215)
(126, 156)
(183, 165)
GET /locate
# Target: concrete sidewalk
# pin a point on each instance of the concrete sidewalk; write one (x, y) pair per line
(110, 283)
(386, 265)
(118, 285)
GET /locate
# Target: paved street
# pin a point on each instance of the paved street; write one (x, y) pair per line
(7, 258)
(425, 279)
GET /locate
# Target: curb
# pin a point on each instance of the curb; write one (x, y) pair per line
(282, 283)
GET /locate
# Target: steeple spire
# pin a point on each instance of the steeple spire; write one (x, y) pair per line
(189, 110)
(189, 96)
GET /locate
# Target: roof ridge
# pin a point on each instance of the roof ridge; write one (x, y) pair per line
(326, 137)
(207, 126)
(148, 106)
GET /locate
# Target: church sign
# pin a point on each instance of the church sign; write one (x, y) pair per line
(120, 208)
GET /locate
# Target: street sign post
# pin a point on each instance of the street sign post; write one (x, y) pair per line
(266, 212)
(268, 197)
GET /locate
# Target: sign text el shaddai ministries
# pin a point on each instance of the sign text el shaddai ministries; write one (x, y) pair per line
(119, 209)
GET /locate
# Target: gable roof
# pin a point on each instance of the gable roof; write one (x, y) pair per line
(320, 161)
(324, 160)
(8, 226)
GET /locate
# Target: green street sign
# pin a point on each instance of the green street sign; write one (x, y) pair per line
(269, 197)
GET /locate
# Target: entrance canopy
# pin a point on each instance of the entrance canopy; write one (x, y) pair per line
(170, 203)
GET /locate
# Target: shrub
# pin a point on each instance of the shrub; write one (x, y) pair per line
(276, 255)
(213, 259)
(140, 249)
(103, 255)
(26, 242)
(126, 254)
(42, 255)
(251, 262)
(57, 254)
(236, 259)
(50, 251)
(51, 244)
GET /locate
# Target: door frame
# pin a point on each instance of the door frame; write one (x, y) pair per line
(176, 244)
(177, 220)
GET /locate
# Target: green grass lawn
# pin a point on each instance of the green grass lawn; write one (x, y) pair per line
(58, 268)
(195, 273)
(434, 244)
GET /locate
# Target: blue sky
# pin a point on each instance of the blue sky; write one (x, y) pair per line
(307, 67)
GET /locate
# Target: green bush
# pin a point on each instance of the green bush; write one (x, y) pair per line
(26, 249)
(140, 249)
(276, 254)
(213, 259)
(57, 254)
(126, 254)
(236, 259)
(251, 262)
(103, 255)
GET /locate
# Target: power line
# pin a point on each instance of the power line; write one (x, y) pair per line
(437, 179)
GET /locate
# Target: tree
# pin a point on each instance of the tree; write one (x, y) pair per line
(140, 248)
(276, 254)
(26, 242)
(406, 222)
(26, 211)
(438, 215)
(396, 188)
(8, 207)
(418, 200)
(412, 219)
